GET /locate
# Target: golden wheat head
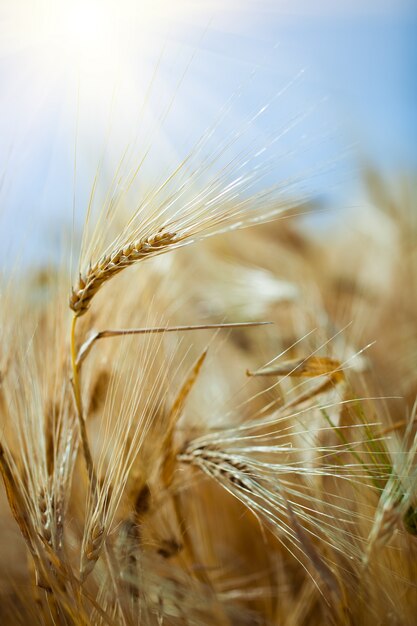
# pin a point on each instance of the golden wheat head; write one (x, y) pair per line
(113, 263)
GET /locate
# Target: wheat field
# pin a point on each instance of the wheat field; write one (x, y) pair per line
(167, 458)
(208, 398)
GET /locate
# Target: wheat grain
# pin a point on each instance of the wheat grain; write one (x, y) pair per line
(110, 265)
(91, 549)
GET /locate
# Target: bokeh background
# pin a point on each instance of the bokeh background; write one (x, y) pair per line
(89, 90)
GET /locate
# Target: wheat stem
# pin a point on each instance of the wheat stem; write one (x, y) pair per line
(76, 386)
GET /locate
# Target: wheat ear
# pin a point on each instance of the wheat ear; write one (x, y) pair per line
(111, 264)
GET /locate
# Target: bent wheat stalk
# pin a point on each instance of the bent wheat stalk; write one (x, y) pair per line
(77, 360)
(82, 294)
(88, 344)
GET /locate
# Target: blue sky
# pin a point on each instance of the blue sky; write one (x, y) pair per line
(352, 68)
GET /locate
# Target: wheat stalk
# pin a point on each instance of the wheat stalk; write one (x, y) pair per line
(82, 294)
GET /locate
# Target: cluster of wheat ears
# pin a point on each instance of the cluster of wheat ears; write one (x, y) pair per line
(168, 458)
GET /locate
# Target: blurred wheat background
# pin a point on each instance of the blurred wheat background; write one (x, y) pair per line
(208, 345)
